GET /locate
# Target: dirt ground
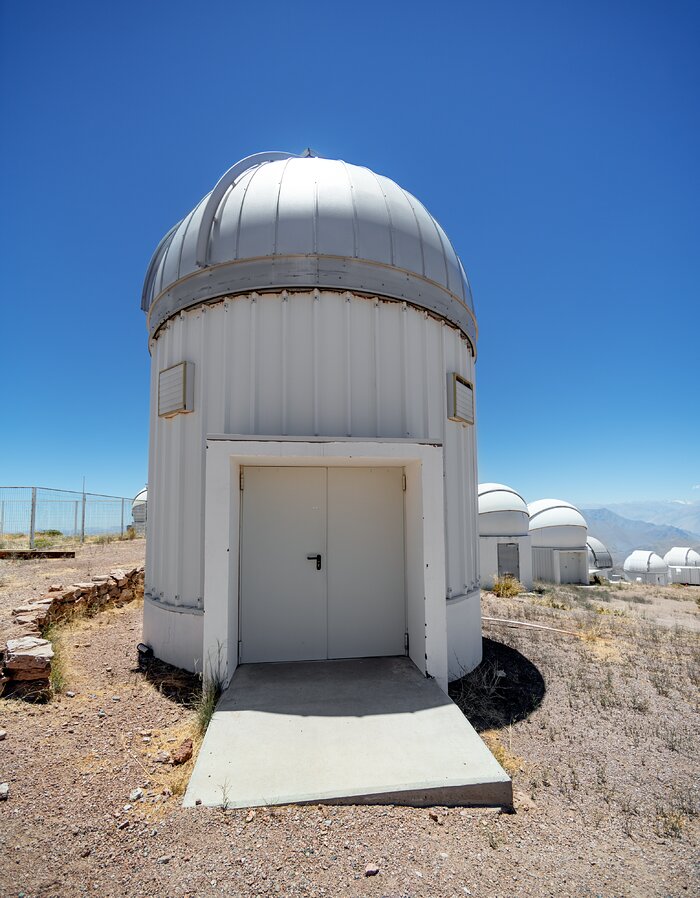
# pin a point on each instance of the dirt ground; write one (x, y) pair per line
(599, 730)
(22, 581)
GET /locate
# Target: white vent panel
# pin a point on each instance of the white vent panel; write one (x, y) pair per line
(460, 399)
(176, 390)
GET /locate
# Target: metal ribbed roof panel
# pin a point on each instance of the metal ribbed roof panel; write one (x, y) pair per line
(321, 222)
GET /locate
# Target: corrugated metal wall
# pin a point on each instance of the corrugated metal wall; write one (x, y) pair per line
(303, 364)
(543, 564)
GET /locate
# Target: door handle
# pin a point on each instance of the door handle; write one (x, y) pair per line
(317, 559)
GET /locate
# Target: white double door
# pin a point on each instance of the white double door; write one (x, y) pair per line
(321, 563)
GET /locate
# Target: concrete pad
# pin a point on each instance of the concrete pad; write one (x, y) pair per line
(368, 731)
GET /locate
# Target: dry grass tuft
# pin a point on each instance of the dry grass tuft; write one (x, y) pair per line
(508, 760)
(507, 587)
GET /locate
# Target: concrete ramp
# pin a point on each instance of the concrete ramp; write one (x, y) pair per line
(368, 731)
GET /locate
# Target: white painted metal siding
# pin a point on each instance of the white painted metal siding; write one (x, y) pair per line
(543, 564)
(307, 364)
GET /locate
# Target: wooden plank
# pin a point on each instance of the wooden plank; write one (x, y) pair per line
(36, 553)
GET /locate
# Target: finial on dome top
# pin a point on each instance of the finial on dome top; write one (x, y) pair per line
(308, 152)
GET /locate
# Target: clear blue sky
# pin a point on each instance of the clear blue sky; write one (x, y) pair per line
(557, 143)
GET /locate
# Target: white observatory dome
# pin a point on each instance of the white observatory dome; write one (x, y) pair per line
(312, 334)
(555, 523)
(502, 511)
(278, 221)
(140, 498)
(599, 557)
(682, 556)
(642, 561)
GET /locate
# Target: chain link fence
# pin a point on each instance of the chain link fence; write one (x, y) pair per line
(33, 517)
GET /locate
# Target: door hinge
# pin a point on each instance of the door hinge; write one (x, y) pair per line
(240, 481)
(403, 482)
(405, 642)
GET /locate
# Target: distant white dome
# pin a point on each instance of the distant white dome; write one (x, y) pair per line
(599, 558)
(275, 221)
(557, 524)
(682, 556)
(140, 498)
(502, 511)
(642, 561)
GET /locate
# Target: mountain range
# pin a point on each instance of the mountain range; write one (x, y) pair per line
(623, 534)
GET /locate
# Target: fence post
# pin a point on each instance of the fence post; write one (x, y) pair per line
(75, 518)
(32, 519)
(82, 524)
(122, 531)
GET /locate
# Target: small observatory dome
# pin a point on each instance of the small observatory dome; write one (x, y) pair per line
(286, 314)
(646, 567)
(502, 511)
(558, 532)
(504, 538)
(682, 556)
(139, 509)
(599, 558)
(557, 524)
(279, 221)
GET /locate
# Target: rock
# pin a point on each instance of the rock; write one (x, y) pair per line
(162, 757)
(250, 817)
(3, 735)
(371, 870)
(28, 656)
(102, 578)
(183, 752)
(164, 858)
(127, 595)
(116, 698)
(120, 576)
(84, 587)
(55, 587)
(136, 794)
(70, 694)
(101, 713)
(23, 609)
(438, 818)
(123, 824)
(4, 791)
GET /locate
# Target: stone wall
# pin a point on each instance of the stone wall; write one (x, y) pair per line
(25, 662)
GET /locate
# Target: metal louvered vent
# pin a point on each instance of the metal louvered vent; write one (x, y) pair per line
(460, 399)
(176, 390)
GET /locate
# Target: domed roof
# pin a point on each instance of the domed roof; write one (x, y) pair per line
(140, 498)
(598, 554)
(554, 513)
(277, 221)
(682, 556)
(643, 561)
(498, 497)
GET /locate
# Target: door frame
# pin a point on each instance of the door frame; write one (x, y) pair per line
(326, 556)
(424, 529)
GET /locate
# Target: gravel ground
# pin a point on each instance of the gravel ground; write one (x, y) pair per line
(22, 581)
(602, 749)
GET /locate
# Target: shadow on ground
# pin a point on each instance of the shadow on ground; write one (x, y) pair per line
(174, 683)
(503, 689)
